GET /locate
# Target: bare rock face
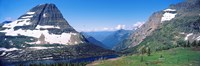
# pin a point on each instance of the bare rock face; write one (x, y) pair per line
(47, 14)
(42, 39)
(141, 33)
(153, 23)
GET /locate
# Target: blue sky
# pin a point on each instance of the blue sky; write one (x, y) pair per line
(86, 15)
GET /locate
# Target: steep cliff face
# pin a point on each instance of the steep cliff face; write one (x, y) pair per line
(153, 23)
(140, 34)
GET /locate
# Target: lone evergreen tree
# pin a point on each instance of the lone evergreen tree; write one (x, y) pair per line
(188, 44)
(193, 43)
(148, 51)
(199, 43)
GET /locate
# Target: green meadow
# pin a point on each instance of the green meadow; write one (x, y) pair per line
(173, 57)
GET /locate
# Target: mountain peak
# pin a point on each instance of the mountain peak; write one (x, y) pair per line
(48, 14)
(46, 20)
(44, 15)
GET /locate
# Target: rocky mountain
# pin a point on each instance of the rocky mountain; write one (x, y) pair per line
(43, 22)
(116, 37)
(42, 33)
(166, 28)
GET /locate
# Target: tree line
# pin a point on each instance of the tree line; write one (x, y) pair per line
(195, 43)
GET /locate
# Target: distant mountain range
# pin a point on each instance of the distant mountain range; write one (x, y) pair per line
(116, 37)
(109, 39)
(99, 35)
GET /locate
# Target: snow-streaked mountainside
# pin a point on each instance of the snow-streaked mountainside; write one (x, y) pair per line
(116, 37)
(42, 32)
(43, 25)
(146, 29)
(178, 23)
(4, 22)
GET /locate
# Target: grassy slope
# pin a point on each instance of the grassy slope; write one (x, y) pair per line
(173, 57)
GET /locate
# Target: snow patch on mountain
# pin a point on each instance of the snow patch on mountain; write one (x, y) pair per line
(25, 20)
(10, 49)
(186, 38)
(39, 48)
(19, 22)
(31, 13)
(198, 38)
(46, 26)
(3, 54)
(168, 15)
(63, 38)
(47, 58)
(44, 15)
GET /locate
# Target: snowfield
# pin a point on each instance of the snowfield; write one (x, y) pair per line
(186, 38)
(168, 15)
(39, 48)
(10, 49)
(25, 20)
(64, 38)
(46, 26)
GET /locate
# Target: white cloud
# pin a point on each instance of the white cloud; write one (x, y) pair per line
(137, 25)
(118, 27)
(104, 29)
(96, 29)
